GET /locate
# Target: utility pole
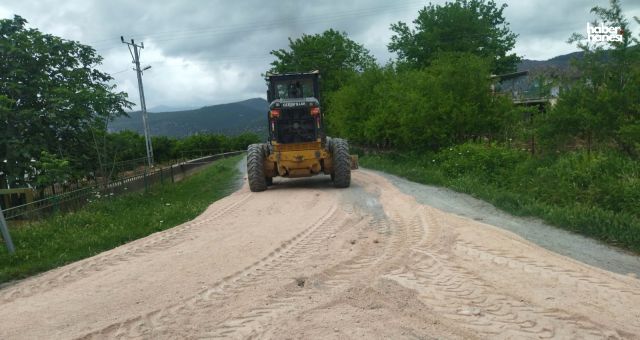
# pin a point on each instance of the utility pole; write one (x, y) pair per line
(135, 54)
(4, 228)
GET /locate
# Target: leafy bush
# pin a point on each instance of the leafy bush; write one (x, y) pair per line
(446, 103)
(489, 161)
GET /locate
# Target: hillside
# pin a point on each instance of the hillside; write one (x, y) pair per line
(231, 119)
(559, 62)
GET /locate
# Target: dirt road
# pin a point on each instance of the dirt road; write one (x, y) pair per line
(305, 260)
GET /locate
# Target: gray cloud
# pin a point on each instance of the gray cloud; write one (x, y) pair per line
(207, 52)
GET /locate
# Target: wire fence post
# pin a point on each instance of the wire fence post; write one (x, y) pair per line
(56, 203)
(146, 184)
(161, 176)
(5, 234)
(172, 179)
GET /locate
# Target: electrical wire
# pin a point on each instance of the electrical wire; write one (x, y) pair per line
(276, 23)
(248, 28)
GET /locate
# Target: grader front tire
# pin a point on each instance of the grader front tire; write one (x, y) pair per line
(255, 168)
(341, 163)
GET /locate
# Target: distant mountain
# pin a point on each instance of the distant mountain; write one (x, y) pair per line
(166, 108)
(559, 62)
(230, 119)
(562, 63)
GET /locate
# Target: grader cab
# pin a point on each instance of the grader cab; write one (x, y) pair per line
(297, 145)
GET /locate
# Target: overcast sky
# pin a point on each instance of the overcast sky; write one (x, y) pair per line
(210, 52)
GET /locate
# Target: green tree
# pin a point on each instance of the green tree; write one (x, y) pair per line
(242, 141)
(470, 26)
(6, 168)
(601, 107)
(51, 169)
(201, 145)
(452, 103)
(331, 52)
(163, 148)
(54, 99)
(440, 105)
(358, 108)
(125, 145)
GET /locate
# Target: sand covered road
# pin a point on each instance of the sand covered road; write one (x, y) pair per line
(305, 260)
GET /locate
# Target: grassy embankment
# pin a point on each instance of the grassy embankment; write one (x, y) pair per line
(109, 222)
(597, 194)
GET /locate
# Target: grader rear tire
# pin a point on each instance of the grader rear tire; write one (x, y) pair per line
(341, 163)
(255, 168)
(266, 149)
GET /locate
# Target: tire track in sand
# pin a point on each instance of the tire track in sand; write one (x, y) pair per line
(358, 271)
(474, 303)
(169, 318)
(154, 242)
(471, 301)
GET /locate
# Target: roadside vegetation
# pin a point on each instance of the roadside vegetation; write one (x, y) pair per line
(126, 145)
(55, 109)
(108, 222)
(430, 115)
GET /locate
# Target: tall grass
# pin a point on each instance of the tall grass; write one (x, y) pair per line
(109, 222)
(597, 194)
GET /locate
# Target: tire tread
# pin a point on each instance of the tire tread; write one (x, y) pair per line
(255, 168)
(341, 163)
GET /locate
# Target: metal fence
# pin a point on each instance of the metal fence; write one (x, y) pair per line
(141, 179)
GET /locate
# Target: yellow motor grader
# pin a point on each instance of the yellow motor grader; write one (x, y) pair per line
(297, 145)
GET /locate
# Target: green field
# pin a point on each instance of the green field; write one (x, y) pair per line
(596, 194)
(109, 222)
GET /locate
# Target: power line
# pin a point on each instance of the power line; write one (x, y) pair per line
(246, 28)
(279, 24)
(282, 21)
(121, 71)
